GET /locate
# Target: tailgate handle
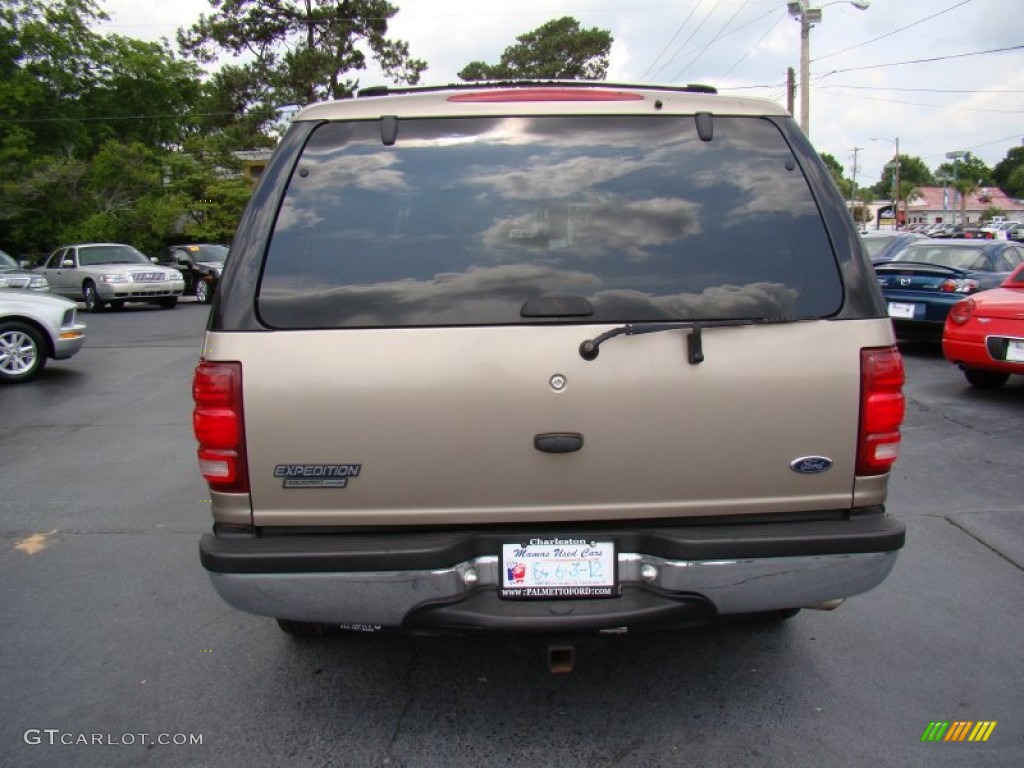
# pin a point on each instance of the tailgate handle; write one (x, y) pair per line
(558, 442)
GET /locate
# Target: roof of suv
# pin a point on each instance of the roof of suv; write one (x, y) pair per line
(555, 96)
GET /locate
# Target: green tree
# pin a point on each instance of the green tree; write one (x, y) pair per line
(991, 212)
(298, 51)
(1009, 173)
(559, 49)
(1015, 182)
(969, 167)
(913, 171)
(72, 89)
(834, 167)
(965, 187)
(86, 122)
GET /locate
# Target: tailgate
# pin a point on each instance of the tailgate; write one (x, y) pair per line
(437, 426)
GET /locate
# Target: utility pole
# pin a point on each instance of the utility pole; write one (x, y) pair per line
(808, 17)
(790, 89)
(897, 182)
(853, 182)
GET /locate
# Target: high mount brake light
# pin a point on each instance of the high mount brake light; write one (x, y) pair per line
(881, 410)
(544, 94)
(218, 425)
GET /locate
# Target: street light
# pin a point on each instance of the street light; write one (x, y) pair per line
(808, 17)
(955, 156)
(945, 204)
(895, 165)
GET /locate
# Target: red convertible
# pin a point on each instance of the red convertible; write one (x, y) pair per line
(984, 335)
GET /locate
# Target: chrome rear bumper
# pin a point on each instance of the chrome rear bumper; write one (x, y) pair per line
(422, 599)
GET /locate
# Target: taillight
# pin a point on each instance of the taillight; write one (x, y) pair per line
(950, 285)
(219, 427)
(962, 311)
(881, 409)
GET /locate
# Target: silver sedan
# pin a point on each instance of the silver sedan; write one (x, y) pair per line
(12, 275)
(34, 327)
(111, 273)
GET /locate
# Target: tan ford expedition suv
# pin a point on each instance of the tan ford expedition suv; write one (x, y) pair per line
(546, 357)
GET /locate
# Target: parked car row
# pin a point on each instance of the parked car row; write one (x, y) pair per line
(102, 274)
(38, 306)
(967, 293)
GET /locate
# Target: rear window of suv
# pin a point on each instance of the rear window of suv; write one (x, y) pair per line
(464, 220)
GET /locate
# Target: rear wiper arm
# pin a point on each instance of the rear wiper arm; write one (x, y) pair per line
(590, 348)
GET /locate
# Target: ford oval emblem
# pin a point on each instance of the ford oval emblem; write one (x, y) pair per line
(811, 465)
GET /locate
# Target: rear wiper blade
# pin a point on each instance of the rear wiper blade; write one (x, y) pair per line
(590, 348)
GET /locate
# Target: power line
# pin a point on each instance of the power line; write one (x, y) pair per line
(925, 90)
(895, 31)
(693, 10)
(685, 42)
(711, 42)
(925, 61)
(746, 53)
(956, 107)
(719, 37)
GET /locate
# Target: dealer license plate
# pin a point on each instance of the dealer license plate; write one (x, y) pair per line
(1015, 351)
(901, 310)
(558, 568)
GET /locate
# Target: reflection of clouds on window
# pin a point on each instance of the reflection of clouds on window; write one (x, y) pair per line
(767, 188)
(495, 293)
(756, 300)
(628, 227)
(315, 195)
(367, 172)
(547, 180)
(297, 214)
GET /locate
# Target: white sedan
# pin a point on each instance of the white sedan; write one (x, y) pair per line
(34, 327)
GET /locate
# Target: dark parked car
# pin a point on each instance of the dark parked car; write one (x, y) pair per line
(922, 282)
(882, 246)
(200, 263)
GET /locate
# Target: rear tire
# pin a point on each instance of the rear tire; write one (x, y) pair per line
(203, 293)
(303, 628)
(985, 379)
(22, 352)
(93, 302)
(117, 304)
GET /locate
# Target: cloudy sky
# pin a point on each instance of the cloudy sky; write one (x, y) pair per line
(923, 71)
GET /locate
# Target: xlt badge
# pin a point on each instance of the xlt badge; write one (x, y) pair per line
(316, 475)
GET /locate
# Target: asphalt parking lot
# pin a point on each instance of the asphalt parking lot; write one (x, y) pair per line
(116, 651)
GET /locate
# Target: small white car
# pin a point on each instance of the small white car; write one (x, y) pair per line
(111, 273)
(34, 327)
